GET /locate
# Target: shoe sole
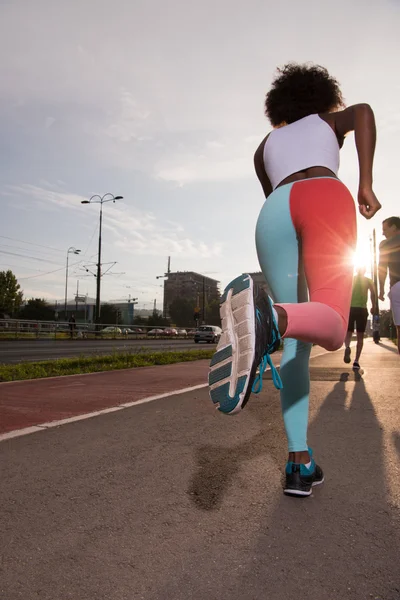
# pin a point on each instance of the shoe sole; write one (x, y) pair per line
(231, 365)
(301, 493)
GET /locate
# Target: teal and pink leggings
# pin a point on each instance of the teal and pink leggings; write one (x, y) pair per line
(305, 236)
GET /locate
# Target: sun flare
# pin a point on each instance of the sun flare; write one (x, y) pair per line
(362, 256)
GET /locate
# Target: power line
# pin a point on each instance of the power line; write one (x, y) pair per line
(91, 239)
(5, 237)
(26, 249)
(48, 272)
(28, 257)
(14, 266)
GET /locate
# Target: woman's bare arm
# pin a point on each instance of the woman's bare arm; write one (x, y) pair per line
(360, 119)
(260, 169)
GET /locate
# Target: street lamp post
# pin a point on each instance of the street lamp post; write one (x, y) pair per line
(71, 250)
(96, 199)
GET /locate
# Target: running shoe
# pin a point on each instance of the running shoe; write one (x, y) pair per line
(356, 365)
(301, 479)
(249, 335)
(347, 354)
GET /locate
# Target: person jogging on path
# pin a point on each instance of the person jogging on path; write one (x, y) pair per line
(305, 238)
(389, 259)
(359, 314)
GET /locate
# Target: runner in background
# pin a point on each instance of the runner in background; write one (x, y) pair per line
(359, 314)
(389, 259)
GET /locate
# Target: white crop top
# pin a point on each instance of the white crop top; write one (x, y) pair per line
(308, 142)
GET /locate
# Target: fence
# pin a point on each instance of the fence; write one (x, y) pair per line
(18, 329)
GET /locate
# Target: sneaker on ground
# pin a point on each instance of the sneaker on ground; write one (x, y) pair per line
(347, 354)
(249, 335)
(300, 479)
(356, 365)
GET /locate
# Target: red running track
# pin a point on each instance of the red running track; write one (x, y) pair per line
(27, 403)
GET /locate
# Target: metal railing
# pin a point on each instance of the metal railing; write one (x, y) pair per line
(21, 329)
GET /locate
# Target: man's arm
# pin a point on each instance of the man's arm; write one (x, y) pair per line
(374, 309)
(382, 269)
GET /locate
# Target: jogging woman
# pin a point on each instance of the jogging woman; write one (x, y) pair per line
(305, 238)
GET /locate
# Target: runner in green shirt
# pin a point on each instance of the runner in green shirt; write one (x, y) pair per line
(359, 313)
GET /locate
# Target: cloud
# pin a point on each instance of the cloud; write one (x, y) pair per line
(45, 197)
(129, 120)
(49, 122)
(169, 243)
(134, 231)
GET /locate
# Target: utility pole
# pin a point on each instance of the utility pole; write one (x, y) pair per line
(100, 200)
(77, 295)
(375, 317)
(375, 271)
(204, 300)
(70, 250)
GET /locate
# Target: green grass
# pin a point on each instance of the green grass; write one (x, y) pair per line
(95, 364)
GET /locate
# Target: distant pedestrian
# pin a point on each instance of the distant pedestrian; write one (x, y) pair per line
(389, 259)
(72, 325)
(359, 314)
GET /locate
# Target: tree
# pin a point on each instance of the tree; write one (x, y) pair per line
(212, 313)
(181, 312)
(37, 309)
(157, 320)
(110, 314)
(10, 294)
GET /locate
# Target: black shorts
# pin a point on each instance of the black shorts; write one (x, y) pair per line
(359, 317)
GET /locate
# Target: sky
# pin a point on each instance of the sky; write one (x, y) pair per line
(162, 103)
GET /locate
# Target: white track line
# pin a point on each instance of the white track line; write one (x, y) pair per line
(98, 413)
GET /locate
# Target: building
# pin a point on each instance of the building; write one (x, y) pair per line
(83, 308)
(198, 289)
(260, 280)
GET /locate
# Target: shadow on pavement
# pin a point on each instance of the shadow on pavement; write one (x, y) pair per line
(355, 375)
(389, 346)
(217, 467)
(342, 542)
(396, 442)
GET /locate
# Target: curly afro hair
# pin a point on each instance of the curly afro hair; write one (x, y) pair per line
(301, 90)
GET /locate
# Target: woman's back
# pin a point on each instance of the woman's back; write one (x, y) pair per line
(306, 143)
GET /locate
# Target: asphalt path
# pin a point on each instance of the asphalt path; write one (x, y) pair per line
(36, 350)
(171, 500)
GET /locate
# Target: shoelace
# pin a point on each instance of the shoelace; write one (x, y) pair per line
(258, 382)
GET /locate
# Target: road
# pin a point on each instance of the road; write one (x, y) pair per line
(172, 500)
(34, 350)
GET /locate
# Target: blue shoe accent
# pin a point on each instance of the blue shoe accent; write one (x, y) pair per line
(276, 378)
(219, 374)
(237, 285)
(221, 355)
(304, 471)
(267, 360)
(221, 395)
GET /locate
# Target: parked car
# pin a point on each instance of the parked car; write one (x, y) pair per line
(182, 332)
(171, 332)
(207, 333)
(132, 331)
(111, 330)
(155, 332)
